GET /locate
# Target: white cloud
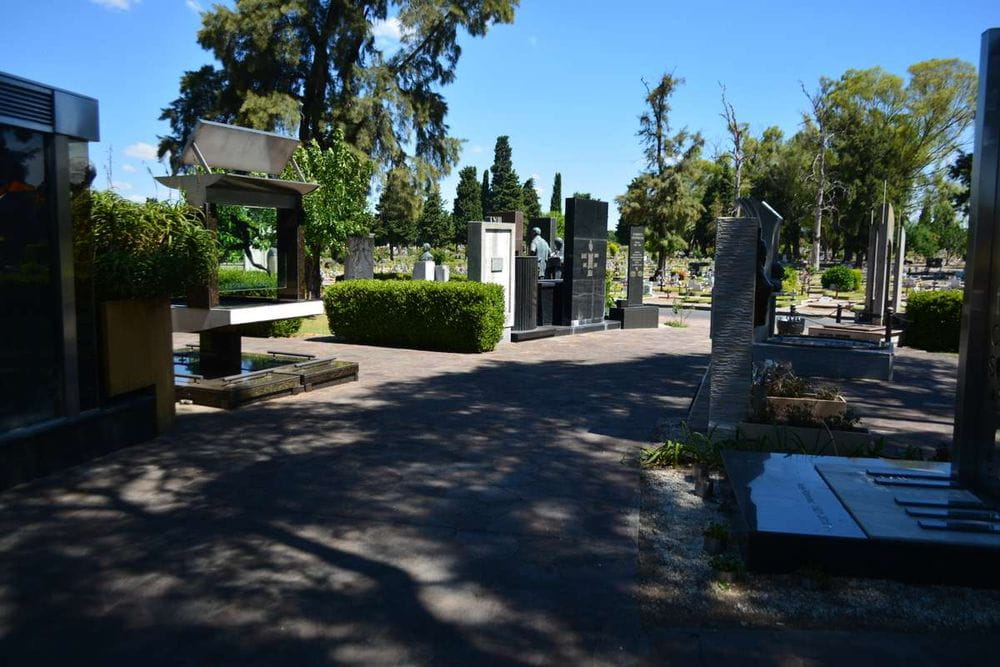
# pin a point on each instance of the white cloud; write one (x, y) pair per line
(138, 199)
(390, 29)
(141, 151)
(118, 5)
(121, 185)
(194, 6)
(128, 169)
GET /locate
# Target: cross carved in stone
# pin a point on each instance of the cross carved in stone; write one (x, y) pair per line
(590, 259)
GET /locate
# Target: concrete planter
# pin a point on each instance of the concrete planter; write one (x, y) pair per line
(138, 352)
(819, 441)
(820, 408)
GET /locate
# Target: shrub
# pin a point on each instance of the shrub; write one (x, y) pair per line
(451, 316)
(150, 250)
(935, 320)
(790, 281)
(257, 283)
(842, 279)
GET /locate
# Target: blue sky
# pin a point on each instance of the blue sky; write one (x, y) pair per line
(564, 81)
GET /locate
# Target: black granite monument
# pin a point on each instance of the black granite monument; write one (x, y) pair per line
(585, 263)
(630, 311)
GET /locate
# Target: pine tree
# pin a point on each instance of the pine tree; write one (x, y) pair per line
(484, 192)
(555, 204)
(434, 226)
(468, 204)
(529, 197)
(505, 187)
(398, 210)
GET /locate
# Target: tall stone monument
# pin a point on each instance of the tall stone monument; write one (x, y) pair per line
(630, 311)
(730, 370)
(976, 454)
(360, 260)
(586, 261)
(898, 270)
(880, 237)
(491, 260)
(515, 218)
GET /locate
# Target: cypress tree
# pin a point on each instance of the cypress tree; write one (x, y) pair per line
(468, 204)
(435, 224)
(555, 204)
(484, 192)
(397, 211)
(529, 197)
(505, 188)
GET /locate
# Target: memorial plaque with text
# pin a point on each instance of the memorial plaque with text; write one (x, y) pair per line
(636, 264)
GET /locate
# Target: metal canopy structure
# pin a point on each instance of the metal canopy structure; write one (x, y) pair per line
(217, 145)
(200, 189)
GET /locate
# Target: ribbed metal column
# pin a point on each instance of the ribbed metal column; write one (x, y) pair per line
(525, 293)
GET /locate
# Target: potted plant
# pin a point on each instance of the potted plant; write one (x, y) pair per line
(716, 538)
(786, 393)
(142, 254)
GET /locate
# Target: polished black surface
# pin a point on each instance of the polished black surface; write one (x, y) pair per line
(636, 264)
(586, 259)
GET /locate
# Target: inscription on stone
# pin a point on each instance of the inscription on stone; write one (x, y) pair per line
(496, 264)
(636, 264)
(590, 259)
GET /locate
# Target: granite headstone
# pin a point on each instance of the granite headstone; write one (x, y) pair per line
(360, 261)
(585, 262)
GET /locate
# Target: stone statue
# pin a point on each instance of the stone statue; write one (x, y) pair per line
(553, 267)
(539, 247)
(427, 256)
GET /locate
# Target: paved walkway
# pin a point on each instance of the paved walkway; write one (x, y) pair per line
(446, 509)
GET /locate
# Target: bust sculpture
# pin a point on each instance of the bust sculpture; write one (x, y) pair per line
(539, 247)
(553, 267)
(427, 256)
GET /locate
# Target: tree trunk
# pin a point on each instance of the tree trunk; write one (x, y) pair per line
(818, 223)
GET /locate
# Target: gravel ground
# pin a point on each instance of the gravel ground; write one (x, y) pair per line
(679, 587)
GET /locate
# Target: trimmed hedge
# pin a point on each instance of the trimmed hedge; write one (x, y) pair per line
(935, 320)
(451, 316)
(842, 279)
(257, 283)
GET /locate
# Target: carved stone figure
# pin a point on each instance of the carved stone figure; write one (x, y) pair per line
(539, 247)
(427, 256)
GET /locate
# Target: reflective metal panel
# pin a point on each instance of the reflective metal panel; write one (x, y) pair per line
(238, 148)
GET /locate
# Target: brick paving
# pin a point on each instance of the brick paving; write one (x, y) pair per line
(444, 509)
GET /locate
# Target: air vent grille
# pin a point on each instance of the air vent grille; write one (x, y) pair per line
(25, 103)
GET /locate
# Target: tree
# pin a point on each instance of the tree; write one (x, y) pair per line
(887, 134)
(529, 198)
(738, 134)
(555, 203)
(665, 197)
(505, 188)
(484, 192)
(582, 195)
(313, 66)
(960, 171)
(339, 207)
(820, 117)
(434, 225)
(398, 210)
(468, 204)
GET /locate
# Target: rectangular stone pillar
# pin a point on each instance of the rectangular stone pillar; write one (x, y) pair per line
(586, 261)
(898, 269)
(636, 264)
(291, 254)
(976, 455)
(515, 218)
(526, 299)
(879, 252)
(730, 372)
(360, 260)
(491, 260)
(219, 353)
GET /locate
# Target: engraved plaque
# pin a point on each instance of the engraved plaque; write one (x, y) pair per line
(496, 264)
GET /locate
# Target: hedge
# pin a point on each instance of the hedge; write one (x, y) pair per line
(257, 283)
(449, 316)
(935, 320)
(842, 279)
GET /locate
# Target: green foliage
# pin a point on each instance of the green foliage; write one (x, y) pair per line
(529, 199)
(468, 205)
(241, 228)
(149, 250)
(935, 320)
(841, 278)
(452, 316)
(790, 281)
(339, 207)
(665, 198)
(484, 192)
(238, 282)
(505, 188)
(316, 65)
(555, 201)
(434, 225)
(398, 209)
